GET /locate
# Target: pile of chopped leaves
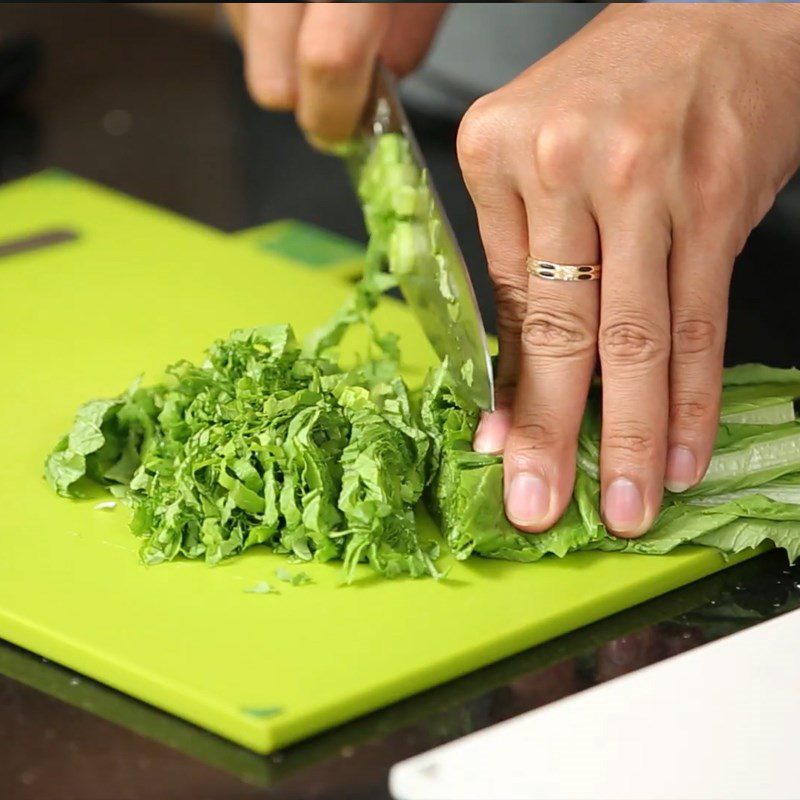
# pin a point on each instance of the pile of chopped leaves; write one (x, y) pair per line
(270, 442)
(261, 444)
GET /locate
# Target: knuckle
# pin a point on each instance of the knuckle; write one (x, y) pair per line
(477, 136)
(510, 298)
(556, 332)
(631, 341)
(690, 409)
(330, 57)
(629, 438)
(628, 157)
(510, 288)
(533, 433)
(558, 145)
(694, 335)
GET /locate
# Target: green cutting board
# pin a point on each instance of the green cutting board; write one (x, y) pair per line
(140, 288)
(308, 245)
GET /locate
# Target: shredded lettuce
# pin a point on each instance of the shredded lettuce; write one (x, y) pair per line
(263, 443)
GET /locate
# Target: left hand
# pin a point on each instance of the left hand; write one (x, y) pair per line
(657, 137)
(317, 59)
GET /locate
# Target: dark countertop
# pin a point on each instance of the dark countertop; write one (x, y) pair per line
(158, 110)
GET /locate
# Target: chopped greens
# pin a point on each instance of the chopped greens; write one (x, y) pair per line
(262, 587)
(261, 444)
(295, 579)
(270, 442)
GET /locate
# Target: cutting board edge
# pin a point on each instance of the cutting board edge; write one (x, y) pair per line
(117, 675)
(708, 562)
(267, 737)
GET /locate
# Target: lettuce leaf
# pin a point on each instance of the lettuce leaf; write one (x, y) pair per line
(746, 534)
(750, 455)
(467, 491)
(750, 495)
(761, 375)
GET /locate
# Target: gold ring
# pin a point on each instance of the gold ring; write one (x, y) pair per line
(551, 271)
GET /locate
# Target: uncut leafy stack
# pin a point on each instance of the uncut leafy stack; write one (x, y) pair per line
(750, 494)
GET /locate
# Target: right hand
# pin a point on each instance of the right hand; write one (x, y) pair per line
(317, 59)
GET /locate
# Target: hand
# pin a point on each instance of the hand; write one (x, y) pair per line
(658, 136)
(316, 59)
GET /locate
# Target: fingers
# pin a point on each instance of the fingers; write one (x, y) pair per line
(412, 31)
(503, 228)
(336, 51)
(268, 32)
(318, 58)
(547, 329)
(558, 347)
(634, 346)
(493, 428)
(700, 273)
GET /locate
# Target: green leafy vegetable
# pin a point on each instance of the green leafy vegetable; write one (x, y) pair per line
(262, 587)
(262, 444)
(761, 375)
(749, 455)
(750, 495)
(296, 579)
(467, 492)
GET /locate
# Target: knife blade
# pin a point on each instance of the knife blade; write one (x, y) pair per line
(439, 290)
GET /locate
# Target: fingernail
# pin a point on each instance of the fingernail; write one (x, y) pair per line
(528, 499)
(623, 507)
(681, 469)
(490, 437)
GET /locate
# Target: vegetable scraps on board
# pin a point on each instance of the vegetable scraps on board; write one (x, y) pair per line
(270, 442)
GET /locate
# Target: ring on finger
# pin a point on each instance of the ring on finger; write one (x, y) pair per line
(552, 271)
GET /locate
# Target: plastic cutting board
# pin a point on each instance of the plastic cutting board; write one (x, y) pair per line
(140, 288)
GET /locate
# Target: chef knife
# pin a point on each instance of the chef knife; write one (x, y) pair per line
(440, 292)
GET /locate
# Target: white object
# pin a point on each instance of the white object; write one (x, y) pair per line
(720, 721)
